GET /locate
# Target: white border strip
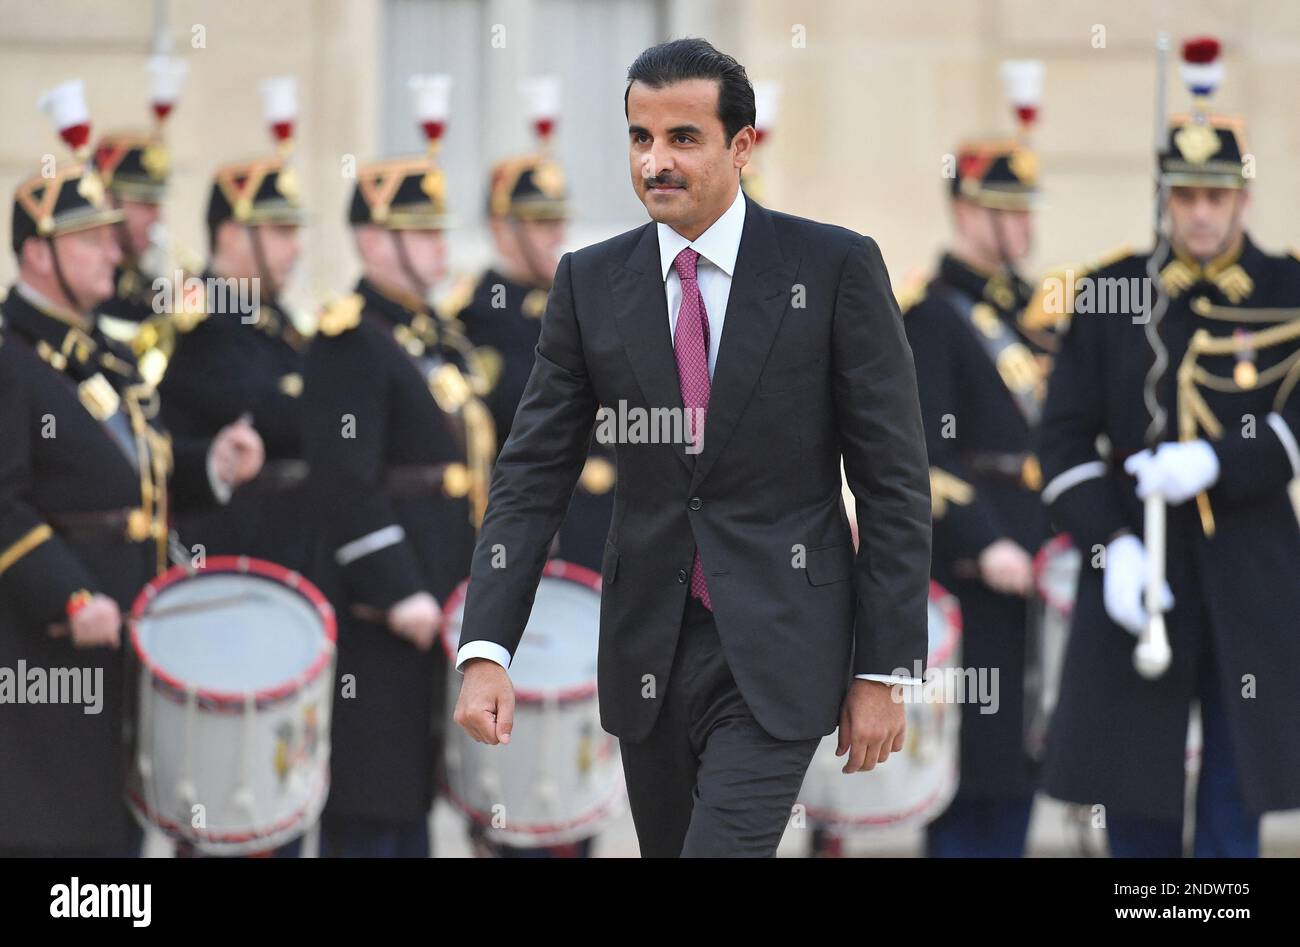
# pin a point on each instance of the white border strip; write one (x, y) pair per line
(1284, 434)
(371, 542)
(1072, 478)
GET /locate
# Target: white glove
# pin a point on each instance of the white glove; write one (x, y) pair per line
(1124, 584)
(1176, 472)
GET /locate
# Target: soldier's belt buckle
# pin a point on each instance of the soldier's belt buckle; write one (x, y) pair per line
(1031, 474)
(455, 480)
(139, 525)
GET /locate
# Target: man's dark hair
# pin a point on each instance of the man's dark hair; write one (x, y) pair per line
(682, 59)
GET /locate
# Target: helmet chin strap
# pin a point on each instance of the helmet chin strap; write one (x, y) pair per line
(122, 233)
(1004, 256)
(526, 250)
(64, 286)
(408, 268)
(263, 271)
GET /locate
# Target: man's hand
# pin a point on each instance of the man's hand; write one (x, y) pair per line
(1176, 472)
(486, 707)
(96, 624)
(416, 618)
(1124, 584)
(237, 453)
(1005, 567)
(872, 725)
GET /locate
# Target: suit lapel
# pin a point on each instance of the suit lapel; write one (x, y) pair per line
(641, 310)
(760, 291)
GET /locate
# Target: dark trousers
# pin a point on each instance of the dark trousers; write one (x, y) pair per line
(981, 827)
(132, 847)
(708, 781)
(1225, 828)
(369, 838)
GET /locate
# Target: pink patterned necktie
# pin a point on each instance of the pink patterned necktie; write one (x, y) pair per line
(691, 344)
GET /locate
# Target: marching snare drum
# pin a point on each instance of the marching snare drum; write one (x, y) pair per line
(560, 778)
(915, 785)
(236, 671)
(1056, 582)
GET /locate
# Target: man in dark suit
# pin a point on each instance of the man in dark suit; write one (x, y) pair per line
(737, 627)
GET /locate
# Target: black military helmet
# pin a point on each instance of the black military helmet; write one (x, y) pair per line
(1203, 149)
(68, 198)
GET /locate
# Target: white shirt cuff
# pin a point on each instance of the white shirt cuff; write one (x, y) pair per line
(482, 649)
(221, 490)
(890, 678)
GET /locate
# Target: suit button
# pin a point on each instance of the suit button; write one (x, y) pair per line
(696, 503)
(681, 576)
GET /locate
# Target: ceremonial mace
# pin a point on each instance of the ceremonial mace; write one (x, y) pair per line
(1151, 655)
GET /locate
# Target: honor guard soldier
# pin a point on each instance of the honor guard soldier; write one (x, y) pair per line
(1175, 385)
(135, 168)
(391, 425)
(981, 385)
(528, 211)
(83, 513)
(238, 357)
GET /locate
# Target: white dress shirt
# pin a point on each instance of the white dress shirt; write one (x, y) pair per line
(718, 248)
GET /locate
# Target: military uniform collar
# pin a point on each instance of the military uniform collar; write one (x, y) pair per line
(1230, 272)
(411, 322)
(60, 337)
(1005, 291)
(269, 318)
(396, 308)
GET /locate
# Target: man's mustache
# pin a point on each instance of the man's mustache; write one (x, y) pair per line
(662, 181)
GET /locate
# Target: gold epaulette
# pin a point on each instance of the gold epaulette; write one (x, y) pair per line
(946, 488)
(1052, 304)
(457, 298)
(341, 316)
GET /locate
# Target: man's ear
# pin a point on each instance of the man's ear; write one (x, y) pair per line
(743, 144)
(36, 256)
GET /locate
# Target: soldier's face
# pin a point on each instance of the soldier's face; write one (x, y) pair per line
(427, 252)
(530, 247)
(280, 249)
(1206, 221)
(684, 169)
(140, 221)
(994, 236)
(87, 259)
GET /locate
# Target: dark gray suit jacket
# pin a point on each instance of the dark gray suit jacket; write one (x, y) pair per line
(812, 364)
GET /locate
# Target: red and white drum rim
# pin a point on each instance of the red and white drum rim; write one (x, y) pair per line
(555, 569)
(821, 814)
(600, 811)
(1056, 546)
(245, 565)
(175, 830)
